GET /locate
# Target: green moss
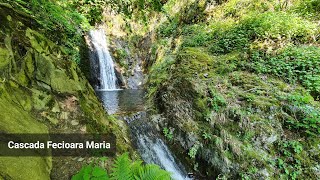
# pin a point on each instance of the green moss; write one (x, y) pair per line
(15, 119)
(61, 82)
(40, 100)
(5, 57)
(25, 168)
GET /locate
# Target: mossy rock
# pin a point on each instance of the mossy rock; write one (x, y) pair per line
(15, 119)
(62, 83)
(5, 57)
(41, 100)
(25, 168)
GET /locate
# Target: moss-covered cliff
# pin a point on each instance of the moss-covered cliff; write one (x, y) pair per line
(237, 84)
(42, 90)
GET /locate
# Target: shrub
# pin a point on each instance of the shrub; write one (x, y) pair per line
(233, 39)
(194, 13)
(279, 24)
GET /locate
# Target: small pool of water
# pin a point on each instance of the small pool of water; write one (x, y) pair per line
(122, 101)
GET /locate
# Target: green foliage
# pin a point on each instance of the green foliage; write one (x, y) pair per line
(91, 9)
(121, 55)
(193, 150)
(168, 29)
(123, 169)
(216, 101)
(168, 133)
(193, 61)
(159, 73)
(279, 24)
(289, 162)
(195, 35)
(294, 64)
(58, 22)
(308, 8)
(304, 116)
(207, 136)
(151, 172)
(92, 171)
(233, 39)
(194, 12)
(237, 108)
(269, 25)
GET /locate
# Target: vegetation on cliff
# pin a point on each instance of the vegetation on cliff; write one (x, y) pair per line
(238, 84)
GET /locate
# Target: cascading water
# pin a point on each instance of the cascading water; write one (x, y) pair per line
(101, 60)
(150, 146)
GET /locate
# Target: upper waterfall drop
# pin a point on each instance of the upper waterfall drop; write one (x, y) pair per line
(101, 60)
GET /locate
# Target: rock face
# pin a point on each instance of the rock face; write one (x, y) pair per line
(42, 91)
(230, 126)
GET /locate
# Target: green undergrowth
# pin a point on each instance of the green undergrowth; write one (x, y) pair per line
(122, 169)
(274, 26)
(294, 64)
(308, 8)
(63, 25)
(236, 108)
(253, 69)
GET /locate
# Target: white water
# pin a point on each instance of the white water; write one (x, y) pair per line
(107, 76)
(157, 152)
(151, 147)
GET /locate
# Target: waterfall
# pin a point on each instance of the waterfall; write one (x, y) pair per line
(151, 147)
(129, 103)
(102, 65)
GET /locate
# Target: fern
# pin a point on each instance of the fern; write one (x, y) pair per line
(151, 172)
(122, 168)
(136, 167)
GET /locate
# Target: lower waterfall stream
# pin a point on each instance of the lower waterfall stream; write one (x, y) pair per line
(128, 104)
